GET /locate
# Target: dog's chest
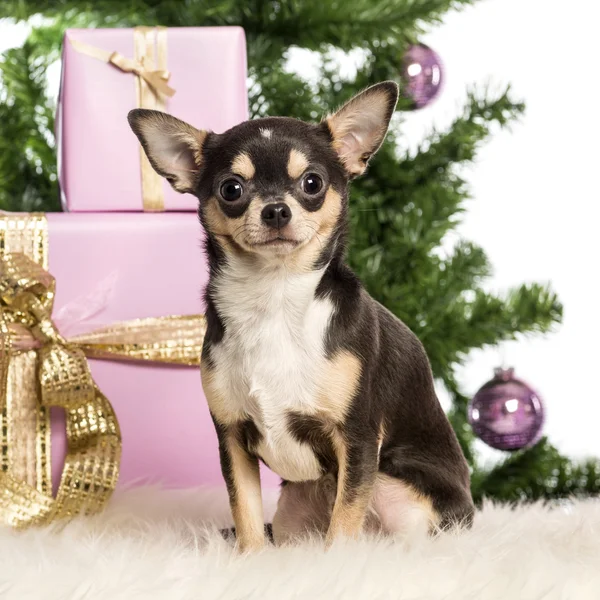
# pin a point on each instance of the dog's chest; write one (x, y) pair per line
(271, 359)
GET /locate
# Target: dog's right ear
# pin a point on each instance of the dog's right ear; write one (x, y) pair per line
(173, 147)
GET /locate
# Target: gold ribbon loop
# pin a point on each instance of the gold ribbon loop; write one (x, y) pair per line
(64, 376)
(39, 369)
(157, 79)
(21, 338)
(20, 276)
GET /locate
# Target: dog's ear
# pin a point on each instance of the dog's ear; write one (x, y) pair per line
(359, 127)
(173, 147)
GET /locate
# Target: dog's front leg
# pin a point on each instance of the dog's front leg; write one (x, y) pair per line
(242, 476)
(357, 471)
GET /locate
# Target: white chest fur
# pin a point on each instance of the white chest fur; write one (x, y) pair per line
(271, 358)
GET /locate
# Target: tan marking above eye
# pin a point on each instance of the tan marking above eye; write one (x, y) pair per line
(243, 166)
(297, 163)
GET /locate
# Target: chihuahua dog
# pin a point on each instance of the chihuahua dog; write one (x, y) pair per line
(301, 368)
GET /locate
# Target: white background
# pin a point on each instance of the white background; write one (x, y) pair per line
(536, 204)
(536, 207)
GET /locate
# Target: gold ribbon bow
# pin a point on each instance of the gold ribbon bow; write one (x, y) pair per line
(142, 66)
(150, 67)
(40, 369)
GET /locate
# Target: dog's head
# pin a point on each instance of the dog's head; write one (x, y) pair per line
(273, 187)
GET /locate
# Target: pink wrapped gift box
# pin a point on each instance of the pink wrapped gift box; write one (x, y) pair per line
(115, 267)
(99, 157)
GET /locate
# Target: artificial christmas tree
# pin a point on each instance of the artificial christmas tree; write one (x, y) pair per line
(402, 210)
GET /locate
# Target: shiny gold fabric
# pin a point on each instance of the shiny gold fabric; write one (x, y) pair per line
(150, 67)
(40, 369)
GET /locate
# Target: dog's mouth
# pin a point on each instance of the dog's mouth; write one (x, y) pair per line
(277, 242)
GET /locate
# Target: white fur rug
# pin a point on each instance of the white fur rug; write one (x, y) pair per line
(154, 544)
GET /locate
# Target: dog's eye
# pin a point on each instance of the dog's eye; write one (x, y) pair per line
(231, 190)
(312, 184)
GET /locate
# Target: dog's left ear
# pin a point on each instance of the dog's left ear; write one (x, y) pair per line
(359, 127)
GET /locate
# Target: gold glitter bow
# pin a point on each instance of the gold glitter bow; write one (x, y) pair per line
(151, 72)
(39, 369)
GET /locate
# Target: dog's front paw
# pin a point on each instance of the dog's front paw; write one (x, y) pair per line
(250, 545)
(346, 533)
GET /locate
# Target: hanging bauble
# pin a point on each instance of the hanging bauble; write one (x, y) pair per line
(506, 413)
(422, 75)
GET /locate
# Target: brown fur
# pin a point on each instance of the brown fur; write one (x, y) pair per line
(350, 508)
(219, 224)
(247, 500)
(339, 386)
(323, 222)
(217, 403)
(331, 210)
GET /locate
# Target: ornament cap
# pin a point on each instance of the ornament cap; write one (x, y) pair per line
(505, 374)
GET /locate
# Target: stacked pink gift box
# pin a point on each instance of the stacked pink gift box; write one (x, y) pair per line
(117, 255)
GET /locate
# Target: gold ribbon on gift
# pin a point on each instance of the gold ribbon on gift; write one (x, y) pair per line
(150, 67)
(40, 369)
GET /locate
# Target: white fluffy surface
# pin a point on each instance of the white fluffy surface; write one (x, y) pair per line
(154, 544)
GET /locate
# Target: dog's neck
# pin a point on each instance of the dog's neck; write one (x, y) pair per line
(246, 285)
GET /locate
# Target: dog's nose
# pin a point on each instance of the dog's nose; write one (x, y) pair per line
(276, 215)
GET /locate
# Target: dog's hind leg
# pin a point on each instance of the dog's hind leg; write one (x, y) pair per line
(400, 509)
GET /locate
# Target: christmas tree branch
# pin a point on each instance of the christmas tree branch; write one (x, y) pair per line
(533, 308)
(537, 473)
(464, 323)
(26, 115)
